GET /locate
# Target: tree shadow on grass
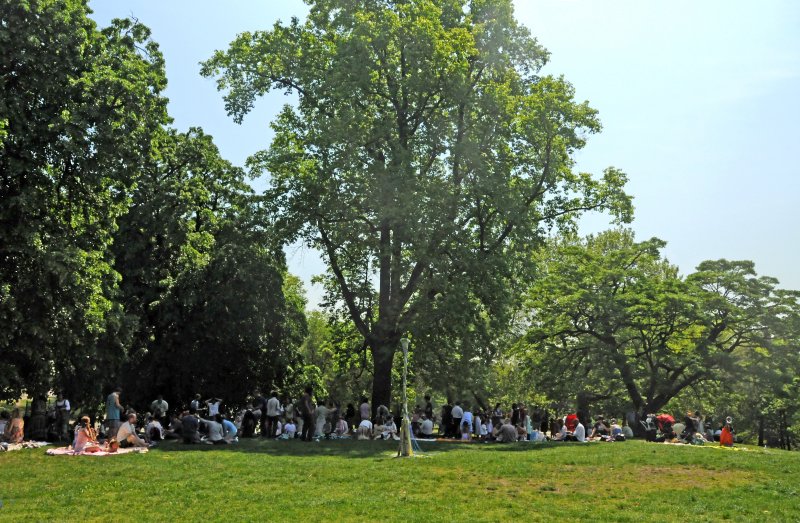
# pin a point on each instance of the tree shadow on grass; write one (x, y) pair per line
(349, 448)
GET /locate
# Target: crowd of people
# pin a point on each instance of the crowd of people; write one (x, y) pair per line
(210, 422)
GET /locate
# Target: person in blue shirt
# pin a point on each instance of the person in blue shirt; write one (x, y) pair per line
(230, 430)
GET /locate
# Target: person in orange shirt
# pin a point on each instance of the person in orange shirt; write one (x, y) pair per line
(726, 436)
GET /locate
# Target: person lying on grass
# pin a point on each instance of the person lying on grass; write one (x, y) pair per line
(126, 435)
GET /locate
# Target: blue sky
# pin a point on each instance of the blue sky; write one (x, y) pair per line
(700, 104)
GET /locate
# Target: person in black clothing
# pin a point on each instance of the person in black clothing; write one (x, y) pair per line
(514, 414)
(307, 411)
(690, 427)
(428, 407)
(447, 420)
(350, 416)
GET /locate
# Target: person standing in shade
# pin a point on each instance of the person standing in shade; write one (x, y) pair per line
(196, 403)
(113, 412)
(213, 406)
(350, 416)
(457, 413)
(307, 412)
(364, 409)
(273, 412)
(62, 417)
(445, 428)
(428, 407)
(159, 409)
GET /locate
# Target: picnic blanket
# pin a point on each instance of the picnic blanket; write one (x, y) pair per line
(8, 447)
(67, 451)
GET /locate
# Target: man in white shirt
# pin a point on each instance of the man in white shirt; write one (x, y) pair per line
(273, 413)
(579, 434)
(426, 428)
(213, 406)
(126, 435)
(159, 408)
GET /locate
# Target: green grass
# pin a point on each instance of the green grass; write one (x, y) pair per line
(361, 481)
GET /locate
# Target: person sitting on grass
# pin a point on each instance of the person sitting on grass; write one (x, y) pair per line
(215, 431)
(364, 429)
(342, 429)
(558, 430)
(426, 427)
(466, 433)
(689, 428)
(579, 434)
(126, 435)
(506, 433)
(600, 429)
(389, 429)
(85, 437)
(153, 431)
(289, 429)
(173, 430)
(229, 430)
(627, 431)
(616, 431)
(190, 424)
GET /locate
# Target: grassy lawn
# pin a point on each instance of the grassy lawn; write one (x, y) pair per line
(361, 481)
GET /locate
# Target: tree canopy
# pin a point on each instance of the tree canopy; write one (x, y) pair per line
(425, 152)
(610, 315)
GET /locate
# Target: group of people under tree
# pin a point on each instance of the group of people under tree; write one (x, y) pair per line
(308, 418)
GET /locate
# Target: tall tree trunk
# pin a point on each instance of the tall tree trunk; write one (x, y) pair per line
(382, 357)
(761, 430)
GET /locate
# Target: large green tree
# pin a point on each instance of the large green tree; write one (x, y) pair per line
(204, 283)
(424, 157)
(78, 108)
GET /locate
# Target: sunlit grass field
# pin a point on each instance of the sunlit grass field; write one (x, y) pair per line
(362, 481)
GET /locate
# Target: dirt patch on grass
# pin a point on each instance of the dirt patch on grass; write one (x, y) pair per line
(632, 479)
(621, 481)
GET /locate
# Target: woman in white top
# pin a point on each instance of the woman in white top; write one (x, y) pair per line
(365, 429)
(289, 429)
(320, 416)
